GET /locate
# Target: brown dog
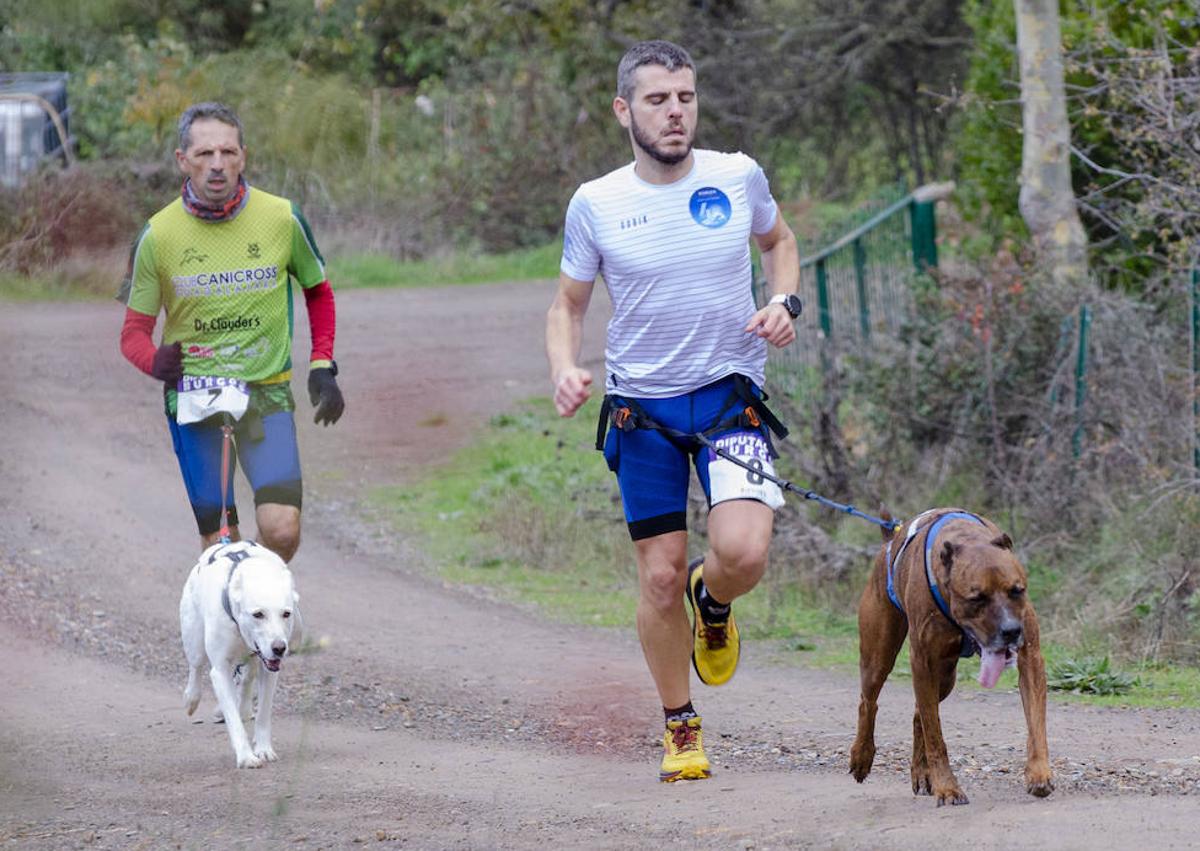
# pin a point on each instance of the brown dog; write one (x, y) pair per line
(961, 590)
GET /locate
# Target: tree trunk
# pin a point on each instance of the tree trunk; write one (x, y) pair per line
(1047, 202)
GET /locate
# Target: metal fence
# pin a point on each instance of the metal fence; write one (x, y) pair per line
(861, 284)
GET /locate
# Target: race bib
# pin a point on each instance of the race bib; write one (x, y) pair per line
(728, 480)
(201, 396)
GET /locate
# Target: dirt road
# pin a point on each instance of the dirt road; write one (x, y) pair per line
(437, 718)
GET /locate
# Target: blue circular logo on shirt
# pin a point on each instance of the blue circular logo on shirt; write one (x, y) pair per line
(710, 207)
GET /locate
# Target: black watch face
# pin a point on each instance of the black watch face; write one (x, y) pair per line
(793, 305)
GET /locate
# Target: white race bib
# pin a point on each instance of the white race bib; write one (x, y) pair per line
(728, 480)
(201, 396)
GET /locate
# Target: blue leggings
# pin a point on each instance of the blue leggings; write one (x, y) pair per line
(271, 464)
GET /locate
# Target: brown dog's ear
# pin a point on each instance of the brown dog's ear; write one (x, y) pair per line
(1003, 542)
(949, 551)
(890, 528)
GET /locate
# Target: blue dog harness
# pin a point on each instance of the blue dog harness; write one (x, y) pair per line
(969, 647)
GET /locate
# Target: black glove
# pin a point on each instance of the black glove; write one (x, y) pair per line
(324, 394)
(168, 363)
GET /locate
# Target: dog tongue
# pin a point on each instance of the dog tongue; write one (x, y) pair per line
(991, 666)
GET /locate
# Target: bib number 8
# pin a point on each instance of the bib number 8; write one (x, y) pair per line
(728, 480)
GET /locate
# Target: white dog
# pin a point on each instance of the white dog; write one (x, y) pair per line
(238, 602)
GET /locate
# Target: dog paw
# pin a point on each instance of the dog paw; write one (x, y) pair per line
(920, 785)
(953, 795)
(249, 761)
(266, 754)
(860, 763)
(1039, 787)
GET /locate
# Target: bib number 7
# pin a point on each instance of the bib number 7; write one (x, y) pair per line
(203, 396)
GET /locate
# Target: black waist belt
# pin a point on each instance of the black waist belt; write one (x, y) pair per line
(627, 415)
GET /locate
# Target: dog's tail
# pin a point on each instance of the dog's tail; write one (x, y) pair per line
(890, 529)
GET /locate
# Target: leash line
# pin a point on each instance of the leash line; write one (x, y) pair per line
(226, 440)
(808, 494)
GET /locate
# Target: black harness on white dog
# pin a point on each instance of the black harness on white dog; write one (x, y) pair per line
(235, 557)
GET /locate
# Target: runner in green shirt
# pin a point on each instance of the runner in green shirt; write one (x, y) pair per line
(220, 262)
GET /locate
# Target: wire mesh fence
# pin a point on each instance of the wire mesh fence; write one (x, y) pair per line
(860, 285)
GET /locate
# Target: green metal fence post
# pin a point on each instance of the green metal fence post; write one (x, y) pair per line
(823, 301)
(860, 281)
(1196, 369)
(924, 235)
(1085, 320)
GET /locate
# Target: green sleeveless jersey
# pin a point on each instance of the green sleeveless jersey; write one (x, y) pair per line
(226, 287)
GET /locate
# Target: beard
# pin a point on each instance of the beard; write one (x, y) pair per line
(650, 146)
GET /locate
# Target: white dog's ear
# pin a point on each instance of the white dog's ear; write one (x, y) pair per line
(235, 588)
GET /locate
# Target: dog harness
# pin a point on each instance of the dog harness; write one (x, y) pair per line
(235, 557)
(969, 645)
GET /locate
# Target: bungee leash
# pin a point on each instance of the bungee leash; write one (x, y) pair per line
(226, 441)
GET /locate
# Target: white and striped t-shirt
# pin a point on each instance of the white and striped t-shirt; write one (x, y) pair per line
(676, 261)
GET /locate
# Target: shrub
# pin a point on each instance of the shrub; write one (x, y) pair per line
(1088, 676)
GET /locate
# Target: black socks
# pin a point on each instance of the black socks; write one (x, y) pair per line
(681, 714)
(710, 610)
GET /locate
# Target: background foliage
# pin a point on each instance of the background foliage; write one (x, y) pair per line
(470, 123)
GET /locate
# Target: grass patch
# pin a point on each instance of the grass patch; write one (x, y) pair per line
(378, 270)
(1088, 676)
(1097, 681)
(531, 512)
(56, 286)
(98, 279)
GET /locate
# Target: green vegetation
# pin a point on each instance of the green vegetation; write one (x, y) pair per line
(45, 287)
(100, 280)
(380, 270)
(509, 511)
(1088, 676)
(432, 124)
(1118, 58)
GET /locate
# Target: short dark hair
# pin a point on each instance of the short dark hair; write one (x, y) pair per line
(665, 53)
(208, 109)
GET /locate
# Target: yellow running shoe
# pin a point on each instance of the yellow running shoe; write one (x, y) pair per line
(683, 752)
(715, 646)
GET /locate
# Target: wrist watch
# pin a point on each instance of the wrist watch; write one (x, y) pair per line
(790, 301)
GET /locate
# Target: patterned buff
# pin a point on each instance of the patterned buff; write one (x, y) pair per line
(201, 209)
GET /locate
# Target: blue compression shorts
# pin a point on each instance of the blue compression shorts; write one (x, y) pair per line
(653, 471)
(271, 462)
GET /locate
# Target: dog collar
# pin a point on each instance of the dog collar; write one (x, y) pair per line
(969, 646)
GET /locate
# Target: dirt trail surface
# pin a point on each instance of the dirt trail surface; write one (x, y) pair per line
(438, 718)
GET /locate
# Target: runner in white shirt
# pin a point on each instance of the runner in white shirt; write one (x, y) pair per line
(686, 350)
